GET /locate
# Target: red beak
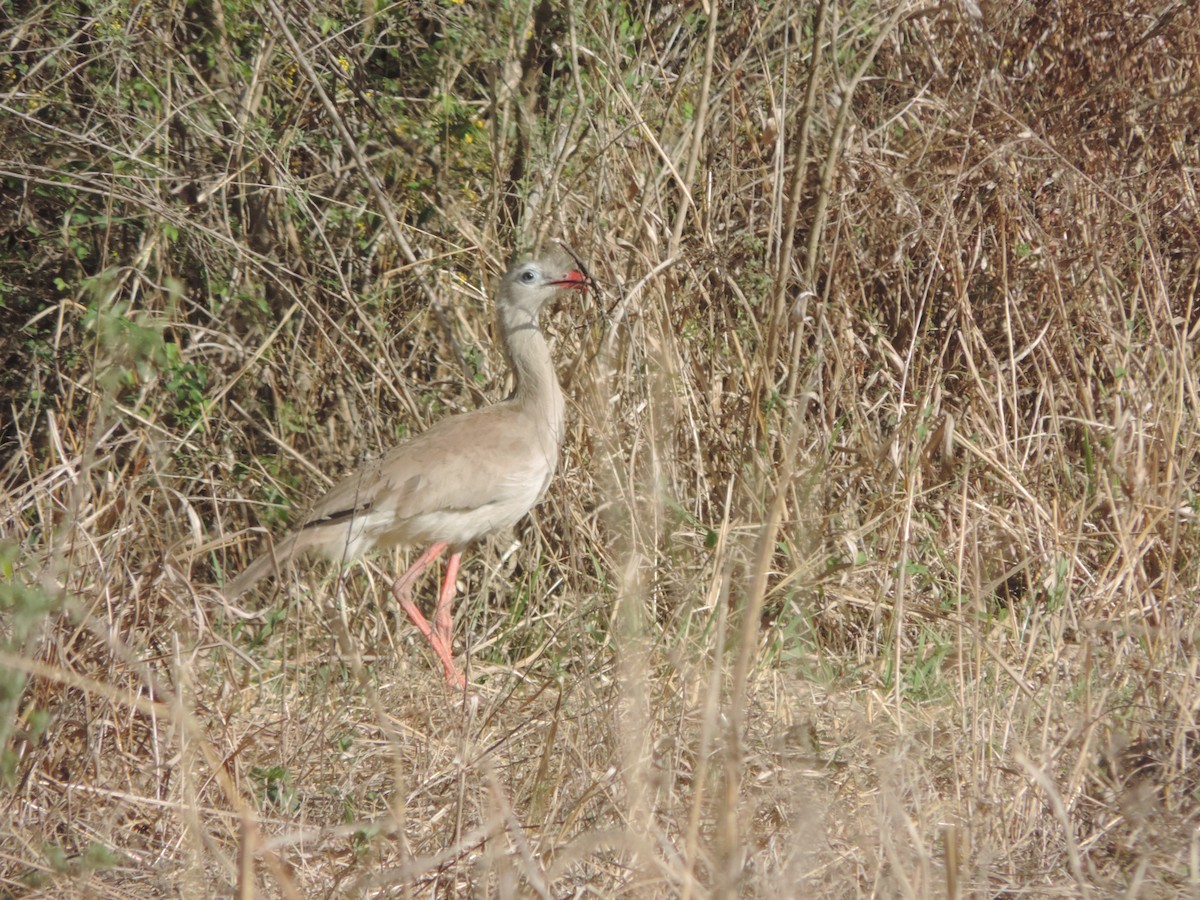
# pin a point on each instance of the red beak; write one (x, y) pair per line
(573, 280)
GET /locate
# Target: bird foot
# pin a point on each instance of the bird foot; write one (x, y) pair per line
(455, 679)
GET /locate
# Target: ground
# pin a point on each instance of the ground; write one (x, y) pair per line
(871, 566)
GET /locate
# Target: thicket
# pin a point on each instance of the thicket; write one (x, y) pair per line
(872, 564)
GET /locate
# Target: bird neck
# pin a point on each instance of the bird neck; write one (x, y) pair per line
(536, 389)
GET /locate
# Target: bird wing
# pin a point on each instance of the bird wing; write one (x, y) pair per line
(463, 463)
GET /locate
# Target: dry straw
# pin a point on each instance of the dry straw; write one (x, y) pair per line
(871, 567)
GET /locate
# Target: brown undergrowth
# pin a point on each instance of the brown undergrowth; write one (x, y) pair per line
(872, 564)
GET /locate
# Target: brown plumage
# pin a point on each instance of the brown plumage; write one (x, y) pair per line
(467, 476)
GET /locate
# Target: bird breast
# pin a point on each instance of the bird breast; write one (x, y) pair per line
(460, 527)
(482, 480)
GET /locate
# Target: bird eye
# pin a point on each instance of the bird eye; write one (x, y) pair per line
(527, 276)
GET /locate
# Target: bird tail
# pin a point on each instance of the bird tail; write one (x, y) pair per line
(269, 563)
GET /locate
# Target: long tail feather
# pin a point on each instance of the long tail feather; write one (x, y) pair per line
(269, 563)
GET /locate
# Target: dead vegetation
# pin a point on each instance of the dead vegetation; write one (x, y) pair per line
(872, 566)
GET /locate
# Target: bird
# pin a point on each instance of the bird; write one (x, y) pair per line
(466, 476)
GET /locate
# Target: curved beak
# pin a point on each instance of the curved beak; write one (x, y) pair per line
(573, 280)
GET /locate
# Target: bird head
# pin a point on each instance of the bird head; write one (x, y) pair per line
(531, 283)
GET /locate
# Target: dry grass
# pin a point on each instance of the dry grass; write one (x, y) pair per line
(873, 563)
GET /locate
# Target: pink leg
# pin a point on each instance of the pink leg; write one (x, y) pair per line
(402, 590)
(443, 617)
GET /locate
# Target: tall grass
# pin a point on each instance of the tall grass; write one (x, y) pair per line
(872, 563)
